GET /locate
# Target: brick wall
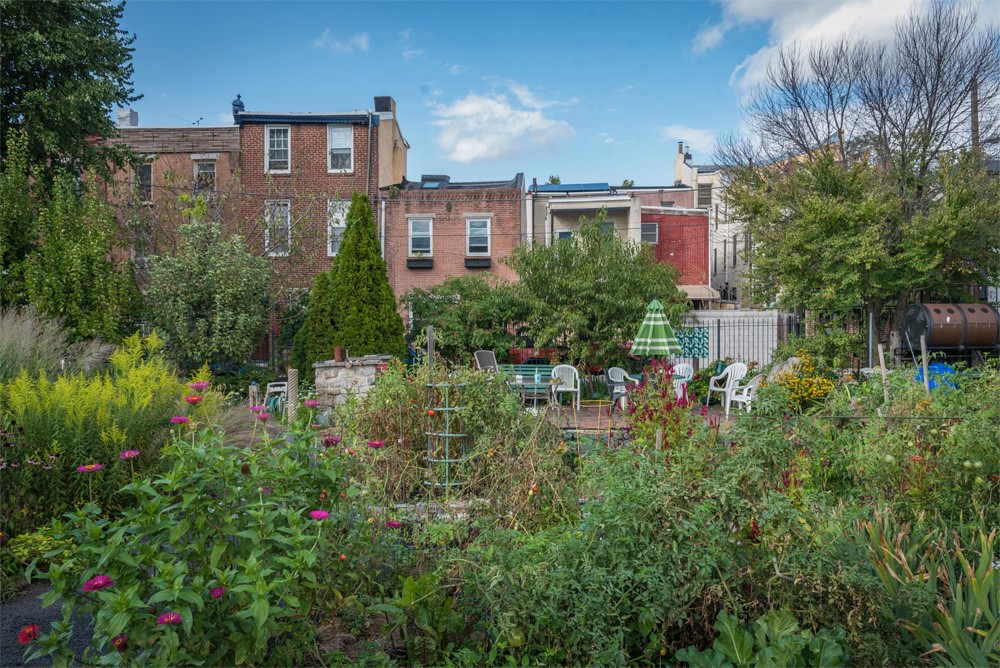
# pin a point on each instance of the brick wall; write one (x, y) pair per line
(683, 242)
(449, 210)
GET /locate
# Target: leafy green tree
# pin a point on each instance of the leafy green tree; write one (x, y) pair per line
(366, 318)
(589, 293)
(469, 313)
(209, 297)
(70, 275)
(628, 183)
(17, 218)
(554, 180)
(64, 65)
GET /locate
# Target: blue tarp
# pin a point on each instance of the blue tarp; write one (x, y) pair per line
(938, 373)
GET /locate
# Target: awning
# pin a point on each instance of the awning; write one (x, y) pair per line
(699, 292)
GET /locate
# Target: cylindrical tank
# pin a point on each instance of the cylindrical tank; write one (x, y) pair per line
(952, 326)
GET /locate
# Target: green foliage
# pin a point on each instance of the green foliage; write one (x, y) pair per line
(469, 313)
(589, 293)
(831, 349)
(314, 341)
(554, 180)
(70, 276)
(65, 67)
(774, 640)
(41, 548)
(17, 217)
(33, 344)
(366, 318)
(73, 421)
(424, 615)
(209, 297)
(218, 517)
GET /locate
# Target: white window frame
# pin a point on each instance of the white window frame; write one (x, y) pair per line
(215, 177)
(468, 235)
(267, 149)
(656, 233)
(349, 129)
(270, 206)
(336, 209)
(430, 235)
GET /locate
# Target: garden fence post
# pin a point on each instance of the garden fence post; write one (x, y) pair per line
(885, 377)
(659, 439)
(923, 362)
(293, 394)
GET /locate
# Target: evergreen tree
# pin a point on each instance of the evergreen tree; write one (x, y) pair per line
(367, 320)
(314, 340)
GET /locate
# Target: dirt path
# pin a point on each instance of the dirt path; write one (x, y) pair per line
(27, 609)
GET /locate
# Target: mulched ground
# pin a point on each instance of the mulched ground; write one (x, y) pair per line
(27, 609)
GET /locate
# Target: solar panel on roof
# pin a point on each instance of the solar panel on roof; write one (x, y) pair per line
(431, 184)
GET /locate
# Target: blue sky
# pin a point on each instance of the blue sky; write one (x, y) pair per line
(588, 91)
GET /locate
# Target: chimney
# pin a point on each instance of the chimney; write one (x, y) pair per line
(238, 109)
(680, 147)
(687, 154)
(385, 105)
(128, 118)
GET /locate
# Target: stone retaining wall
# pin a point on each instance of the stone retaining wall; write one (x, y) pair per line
(336, 380)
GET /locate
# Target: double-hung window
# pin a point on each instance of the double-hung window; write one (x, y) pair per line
(477, 236)
(650, 233)
(204, 178)
(277, 227)
(277, 153)
(143, 177)
(336, 224)
(421, 236)
(704, 195)
(340, 148)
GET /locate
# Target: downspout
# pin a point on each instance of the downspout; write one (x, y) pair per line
(381, 236)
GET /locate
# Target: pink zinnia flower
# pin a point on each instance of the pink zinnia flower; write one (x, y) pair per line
(128, 454)
(376, 444)
(193, 399)
(120, 641)
(351, 451)
(393, 524)
(331, 440)
(257, 409)
(87, 468)
(200, 385)
(312, 403)
(180, 419)
(263, 416)
(28, 634)
(97, 583)
(169, 618)
(217, 592)
(319, 514)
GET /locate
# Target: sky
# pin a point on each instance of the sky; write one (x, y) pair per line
(591, 92)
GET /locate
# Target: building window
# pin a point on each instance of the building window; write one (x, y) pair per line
(666, 202)
(336, 224)
(705, 195)
(340, 148)
(277, 227)
(650, 233)
(607, 227)
(564, 234)
(477, 236)
(421, 231)
(278, 158)
(143, 181)
(204, 178)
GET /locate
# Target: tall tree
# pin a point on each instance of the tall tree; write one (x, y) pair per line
(315, 339)
(64, 66)
(18, 215)
(589, 293)
(367, 321)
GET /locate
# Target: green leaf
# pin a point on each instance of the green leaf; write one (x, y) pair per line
(709, 658)
(259, 609)
(217, 551)
(826, 651)
(733, 641)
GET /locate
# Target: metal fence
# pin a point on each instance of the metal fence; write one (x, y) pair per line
(744, 338)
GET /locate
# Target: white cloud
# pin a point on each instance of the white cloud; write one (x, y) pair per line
(410, 54)
(359, 42)
(804, 23)
(454, 69)
(699, 139)
(490, 127)
(608, 138)
(405, 34)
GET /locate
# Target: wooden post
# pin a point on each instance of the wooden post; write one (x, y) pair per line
(885, 377)
(293, 394)
(659, 439)
(923, 362)
(430, 365)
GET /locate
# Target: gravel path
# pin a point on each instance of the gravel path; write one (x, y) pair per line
(27, 609)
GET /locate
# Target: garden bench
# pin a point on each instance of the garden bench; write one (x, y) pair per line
(527, 388)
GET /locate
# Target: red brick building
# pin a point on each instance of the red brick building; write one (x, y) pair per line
(682, 240)
(436, 228)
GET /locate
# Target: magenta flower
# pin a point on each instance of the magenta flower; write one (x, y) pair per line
(200, 385)
(331, 441)
(98, 583)
(319, 514)
(120, 641)
(266, 489)
(129, 454)
(257, 409)
(263, 416)
(87, 468)
(169, 618)
(180, 419)
(393, 524)
(217, 592)
(312, 403)
(376, 444)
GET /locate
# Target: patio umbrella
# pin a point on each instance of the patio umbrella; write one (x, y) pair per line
(655, 336)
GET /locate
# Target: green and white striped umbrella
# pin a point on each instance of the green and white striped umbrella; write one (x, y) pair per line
(655, 336)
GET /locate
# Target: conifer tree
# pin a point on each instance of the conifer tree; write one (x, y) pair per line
(314, 340)
(367, 320)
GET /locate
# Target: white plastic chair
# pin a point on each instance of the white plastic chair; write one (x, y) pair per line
(743, 394)
(486, 360)
(683, 373)
(569, 382)
(725, 382)
(618, 380)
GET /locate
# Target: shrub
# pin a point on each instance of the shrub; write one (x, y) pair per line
(75, 421)
(34, 344)
(805, 384)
